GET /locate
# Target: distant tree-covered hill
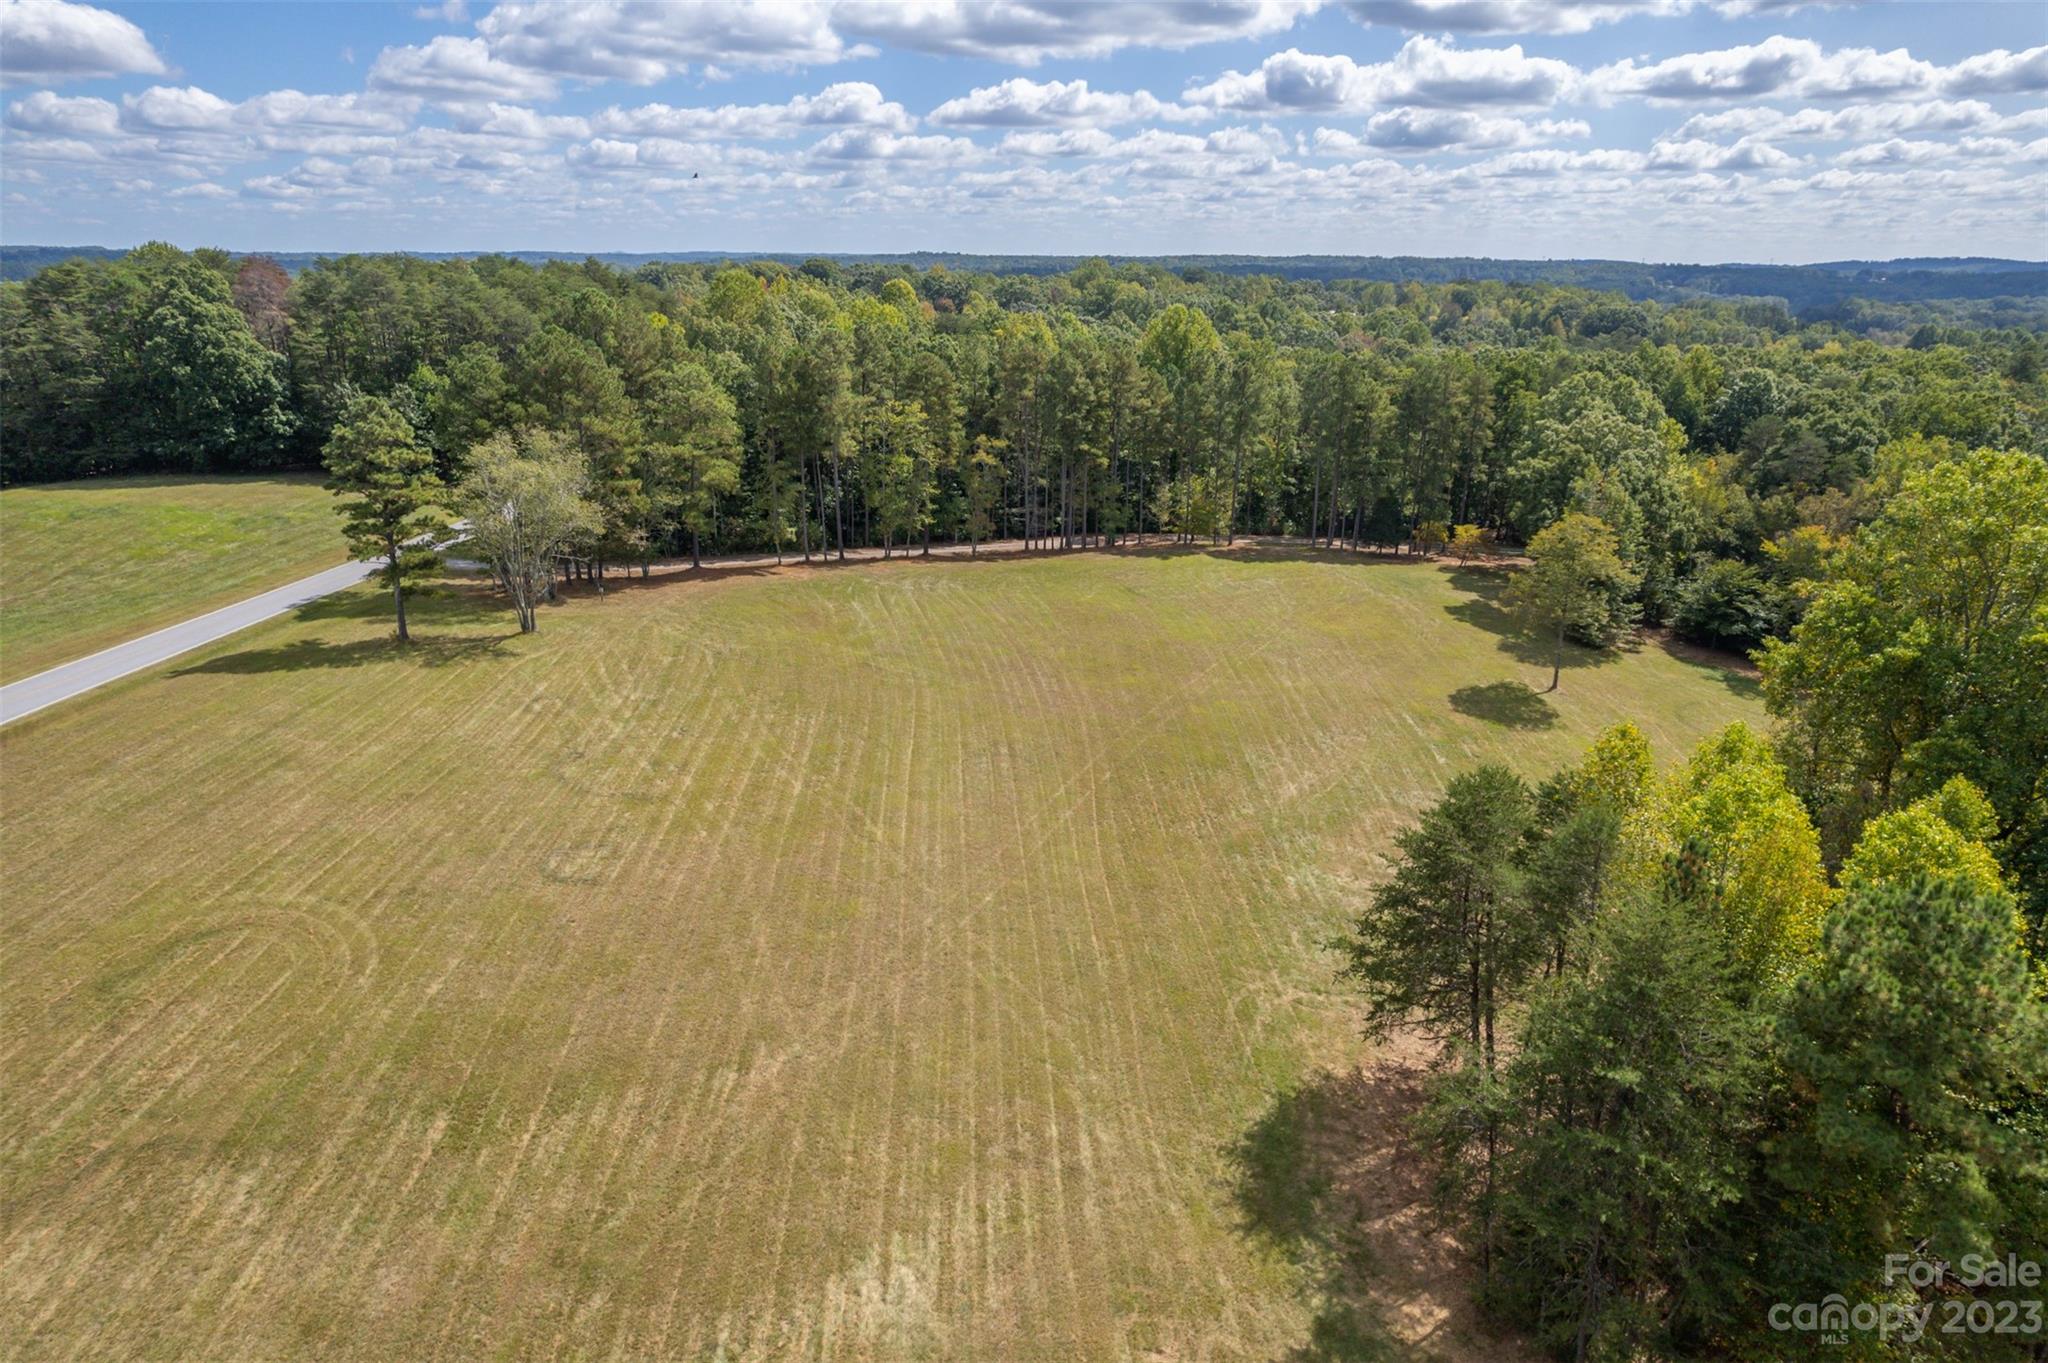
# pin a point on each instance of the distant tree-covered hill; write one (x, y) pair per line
(1806, 289)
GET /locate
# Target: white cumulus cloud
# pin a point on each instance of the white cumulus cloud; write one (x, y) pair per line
(1425, 72)
(451, 68)
(1022, 103)
(1027, 32)
(848, 104)
(55, 40)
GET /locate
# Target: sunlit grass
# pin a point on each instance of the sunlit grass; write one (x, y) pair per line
(880, 962)
(86, 565)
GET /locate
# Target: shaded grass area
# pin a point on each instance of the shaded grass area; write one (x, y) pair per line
(879, 962)
(85, 565)
(1511, 704)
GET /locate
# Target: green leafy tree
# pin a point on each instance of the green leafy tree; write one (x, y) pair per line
(1728, 604)
(1727, 834)
(391, 498)
(1182, 347)
(899, 471)
(1925, 656)
(202, 392)
(1576, 584)
(1471, 541)
(692, 454)
(984, 489)
(1917, 1055)
(1941, 836)
(1575, 841)
(525, 496)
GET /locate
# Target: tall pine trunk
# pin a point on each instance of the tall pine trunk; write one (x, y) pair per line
(398, 591)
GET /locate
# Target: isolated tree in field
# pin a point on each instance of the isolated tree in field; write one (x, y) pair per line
(1450, 938)
(392, 500)
(526, 498)
(1574, 584)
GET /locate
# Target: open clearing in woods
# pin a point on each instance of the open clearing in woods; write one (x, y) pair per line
(85, 565)
(891, 961)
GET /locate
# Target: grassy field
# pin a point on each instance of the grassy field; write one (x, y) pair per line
(85, 565)
(884, 962)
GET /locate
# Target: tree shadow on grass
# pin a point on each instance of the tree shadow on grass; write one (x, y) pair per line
(1327, 1176)
(1486, 607)
(442, 603)
(1733, 671)
(1507, 703)
(302, 654)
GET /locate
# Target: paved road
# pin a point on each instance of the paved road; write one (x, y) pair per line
(31, 694)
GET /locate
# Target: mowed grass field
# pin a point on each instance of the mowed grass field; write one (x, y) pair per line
(882, 962)
(86, 565)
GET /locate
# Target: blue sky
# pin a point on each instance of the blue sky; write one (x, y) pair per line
(1646, 129)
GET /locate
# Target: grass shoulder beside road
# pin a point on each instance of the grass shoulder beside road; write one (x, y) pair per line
(86, 565)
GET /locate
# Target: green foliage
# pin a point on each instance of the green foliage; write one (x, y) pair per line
(1727, 834)
(1915, 1048)
(526, 498)
(1625, 1116)
(692, 454)
(1574, 848)
(1577, 585)
(1449, 939)
(1471, 541)
(1728, 604)
(1941, 836)
(391, 497)
(1925, 657)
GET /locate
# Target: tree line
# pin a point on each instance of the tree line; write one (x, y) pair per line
(810, 409)
(1770, 1029)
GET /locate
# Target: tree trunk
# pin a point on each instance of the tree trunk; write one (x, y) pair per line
(1557, 656)
(1315, 500)
(838, 506)
(696, 548)
(398, 592)
(1236, 472)
(1589, 1297)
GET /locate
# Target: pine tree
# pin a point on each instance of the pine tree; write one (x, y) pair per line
(391, 496)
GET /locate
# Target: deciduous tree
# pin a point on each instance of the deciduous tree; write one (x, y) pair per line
(1576, 584)
(526, 499)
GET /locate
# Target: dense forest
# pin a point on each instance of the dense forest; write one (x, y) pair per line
(1859, 295)
(1111, 398)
